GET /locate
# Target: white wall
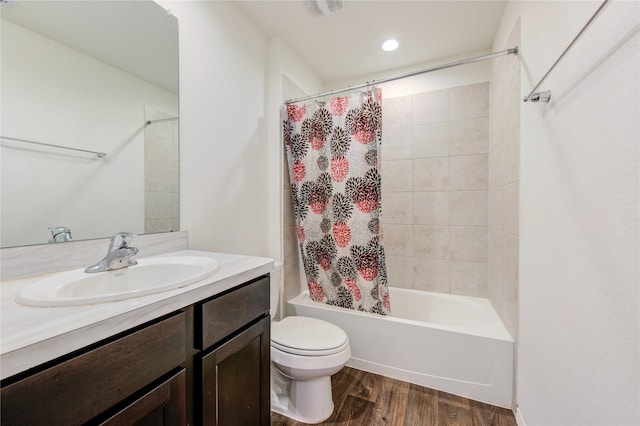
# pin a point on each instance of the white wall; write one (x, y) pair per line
(223, 146)
(477, 72)
(284, 63)
(504, 177)
(284, 66)
(285, 70)
(54, 94)
(579, 356)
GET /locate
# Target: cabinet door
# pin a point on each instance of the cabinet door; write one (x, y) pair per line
(235, 379)
(86, 385)
(162, 405)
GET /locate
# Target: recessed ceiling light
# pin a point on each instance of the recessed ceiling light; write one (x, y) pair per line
(390, 45)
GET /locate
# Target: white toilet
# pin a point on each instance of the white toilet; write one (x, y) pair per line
(305, 352)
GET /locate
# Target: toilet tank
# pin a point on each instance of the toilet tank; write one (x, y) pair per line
(276, 283)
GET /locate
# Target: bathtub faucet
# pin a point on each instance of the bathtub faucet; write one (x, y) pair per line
(60, 234)
(119, 254)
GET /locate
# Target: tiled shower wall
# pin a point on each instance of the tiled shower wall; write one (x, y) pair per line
(161, 174)
(504, 178)
(450, 197)
(434, 190)
(291, 263)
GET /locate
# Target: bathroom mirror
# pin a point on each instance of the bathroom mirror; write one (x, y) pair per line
(86, 79)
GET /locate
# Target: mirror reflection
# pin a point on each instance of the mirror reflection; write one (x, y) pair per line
(81, 79)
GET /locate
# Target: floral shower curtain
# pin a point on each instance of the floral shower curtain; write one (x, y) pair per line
(334, 161)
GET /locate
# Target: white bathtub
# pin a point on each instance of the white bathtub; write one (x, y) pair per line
(456, 344)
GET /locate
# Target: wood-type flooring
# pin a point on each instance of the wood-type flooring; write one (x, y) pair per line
(366, 399)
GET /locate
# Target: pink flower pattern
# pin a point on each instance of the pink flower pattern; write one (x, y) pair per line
(341, 234)
(339, 168)
(315, 290)
(333, 155)
(295, 113)
(339, 105)
(298, 171)
(353, 288)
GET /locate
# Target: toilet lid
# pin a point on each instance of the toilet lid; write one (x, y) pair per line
(308, 336)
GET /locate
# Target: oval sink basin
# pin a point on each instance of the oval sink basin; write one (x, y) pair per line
(152, 275)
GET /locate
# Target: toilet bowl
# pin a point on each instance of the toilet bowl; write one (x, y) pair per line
(305, 352)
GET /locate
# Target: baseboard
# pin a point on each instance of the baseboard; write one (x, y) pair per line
(519, 419)
(488, 394)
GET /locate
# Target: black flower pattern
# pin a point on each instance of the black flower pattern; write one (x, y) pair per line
(366, 196)
(323, 163)
(342, 207)
(310, 267)
(287, 129)
(335, 186)
(351, 185)
(300, 207)
(373, 111)
(324, 181)
(350, 120)
(329, 246)
(299, 146)
(373, 244)
(366, 261)
(325, 226)
(372, 175)
(336, 280)
(374, 225)
(323, 121)
(371, 157)
(306, 127)
(382, 266)
(378, 309)
(317, 198)
(346, 267)
(339, 141)
(343, 299)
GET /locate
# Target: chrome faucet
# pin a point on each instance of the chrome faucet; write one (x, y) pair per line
(119, 254)
(60, 234)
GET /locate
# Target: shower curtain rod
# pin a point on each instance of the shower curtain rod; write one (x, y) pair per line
(159, 120)
(512, 51)
(98, 154)
(546, 95)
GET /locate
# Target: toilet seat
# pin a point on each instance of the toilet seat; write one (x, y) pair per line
(308, 337)
(305, 353)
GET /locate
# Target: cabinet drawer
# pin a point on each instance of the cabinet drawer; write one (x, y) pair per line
(164, 404)
(225, 314)
(78, 389)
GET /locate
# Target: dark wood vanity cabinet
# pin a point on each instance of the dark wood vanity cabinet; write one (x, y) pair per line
(207, 364)
(138, 373)
(233, 370)
(162, 404)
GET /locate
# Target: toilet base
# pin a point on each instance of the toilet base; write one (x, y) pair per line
(306, 401)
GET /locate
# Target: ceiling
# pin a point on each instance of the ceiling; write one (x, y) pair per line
(339, 46)
(347, 43)
(138, 37)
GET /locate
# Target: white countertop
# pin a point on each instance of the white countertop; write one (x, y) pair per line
(30, 336)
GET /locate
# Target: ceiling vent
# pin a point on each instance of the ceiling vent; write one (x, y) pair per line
(6, 4)
(323, 7)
